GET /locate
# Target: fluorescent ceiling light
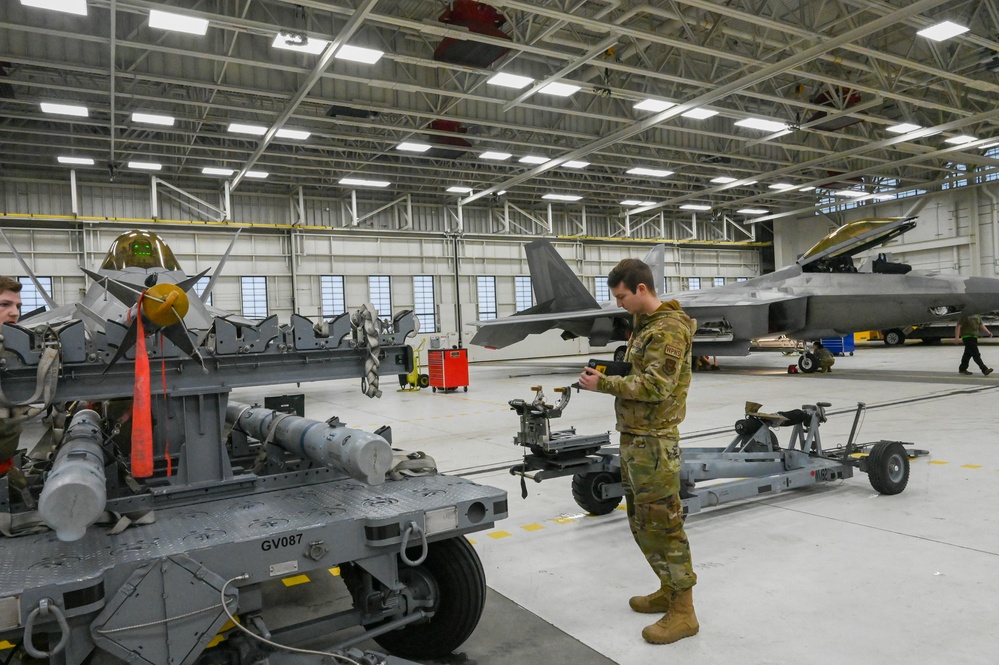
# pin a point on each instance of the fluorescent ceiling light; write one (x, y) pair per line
(214, 170)
(806, 189)
(751, 182)
(300, 43)
(65, 109)
(852, 193)
(501, 192)
(699, 114)
(562, 197)
(145, 166)
(368, 56)
(560, 89)
(511, 81)
(78, 7)
(960, 140)
(636, 202)
(694, 206)
(752, 211)
(256, 130)
(989, 145)
(413, 147)
(781, 185)
(903, 128)
(293, 134)
(533, 159)
(259, 175)
(361, 182)
(456, 189)
(885, 196)
(83, 161)
(723, 180)
(498, 156)
(654, 173)
(655, 105)
(942, 31)
(761, 124)
(153, 119)
(178, 22)
(575, 164)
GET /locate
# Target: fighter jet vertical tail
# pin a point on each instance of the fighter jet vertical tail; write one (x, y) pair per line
(556, 287)
(218, 269)
(655, 258)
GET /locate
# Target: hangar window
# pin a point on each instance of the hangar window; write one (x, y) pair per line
(742, 279)
(693, 283)
(200, 286)
(331, 294)
(254, 297)
(423, 303)
(31, 297)
(992, 153)
(523, 293)
(956, 169)
(718, 281)
(486, 289)
(380, 295)
(600, 289)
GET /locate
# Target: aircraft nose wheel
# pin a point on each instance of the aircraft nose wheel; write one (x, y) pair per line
(808, 363)
(587, 491)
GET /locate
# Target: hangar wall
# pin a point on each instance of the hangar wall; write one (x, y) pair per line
(293, 257)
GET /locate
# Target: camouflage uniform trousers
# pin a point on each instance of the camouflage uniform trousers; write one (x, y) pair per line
(650, 471)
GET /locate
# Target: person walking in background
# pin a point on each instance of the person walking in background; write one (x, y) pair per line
(967, 330)
(651, 402)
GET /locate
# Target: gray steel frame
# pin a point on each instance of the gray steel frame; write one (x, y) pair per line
(153, 593)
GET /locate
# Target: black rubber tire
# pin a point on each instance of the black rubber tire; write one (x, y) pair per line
(423, 381)
(460, 583)
(888, 467)
(466, 389)
(619, 354)
(586, 491)
(894, 337)
(403, 380)
(808, 363)
(435, 388)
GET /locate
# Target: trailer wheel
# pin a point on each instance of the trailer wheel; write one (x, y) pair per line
(619, 354)
(888, 467)
(808, 363)
(894, 337)
(423, 381)
(586, 490)
(453, 581)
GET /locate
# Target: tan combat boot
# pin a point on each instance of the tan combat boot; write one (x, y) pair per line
(655, 603)
(679, 622)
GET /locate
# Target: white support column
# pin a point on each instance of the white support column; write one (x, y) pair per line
(551, 221)
(461, 220)
(662, 224)
(154, 203)
(301, 206)
(226, 201)
(353, 207)
(409, 212)
(74, 205)
(506, 218)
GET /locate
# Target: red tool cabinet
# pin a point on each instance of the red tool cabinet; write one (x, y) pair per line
(448, 369)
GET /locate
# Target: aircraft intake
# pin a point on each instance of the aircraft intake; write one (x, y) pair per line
(75, 492)
(362, 455)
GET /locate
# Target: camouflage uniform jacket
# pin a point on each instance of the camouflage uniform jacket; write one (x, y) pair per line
(652, 398)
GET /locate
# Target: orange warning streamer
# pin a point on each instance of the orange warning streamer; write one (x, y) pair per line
(142, 419)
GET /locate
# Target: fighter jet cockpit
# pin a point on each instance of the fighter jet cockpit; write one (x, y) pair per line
(139, 249)
(835, 252)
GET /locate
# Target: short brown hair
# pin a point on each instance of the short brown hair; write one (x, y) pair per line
(632, 272)
(9, 284)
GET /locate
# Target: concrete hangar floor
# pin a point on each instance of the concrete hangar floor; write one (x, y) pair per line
(832, 574)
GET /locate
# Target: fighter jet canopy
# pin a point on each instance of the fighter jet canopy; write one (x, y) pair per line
(851, 239)
(139, 249)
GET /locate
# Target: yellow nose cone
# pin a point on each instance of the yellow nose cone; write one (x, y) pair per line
(165, 304)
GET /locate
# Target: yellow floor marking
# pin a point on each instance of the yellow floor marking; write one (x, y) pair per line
(532, 527)
(623, 506)
(470, 541)
(297, 579)
(499, 534)
(564, 520)
(335, 572)
(971, 466)
(938, 461)
(4, 644)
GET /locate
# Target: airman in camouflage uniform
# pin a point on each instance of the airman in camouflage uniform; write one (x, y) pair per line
(650, 403)
(10, 427)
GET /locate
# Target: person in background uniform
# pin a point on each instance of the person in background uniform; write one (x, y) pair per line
(823, 356)
(10, 429)
(650, 402)
(967, 330)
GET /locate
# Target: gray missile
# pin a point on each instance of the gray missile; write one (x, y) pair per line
(362, 455)
(75, 491)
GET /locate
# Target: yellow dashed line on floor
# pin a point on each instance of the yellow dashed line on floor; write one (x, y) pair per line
(938, 461)
(565, 520)
(532, 527)
(335, 572)
(499, 534)
(971, 466)
(296, 580)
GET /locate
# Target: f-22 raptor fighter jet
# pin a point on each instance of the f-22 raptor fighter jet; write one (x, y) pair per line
(823, 294)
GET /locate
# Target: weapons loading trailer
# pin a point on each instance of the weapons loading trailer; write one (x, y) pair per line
(753, 464)
(236, 512)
